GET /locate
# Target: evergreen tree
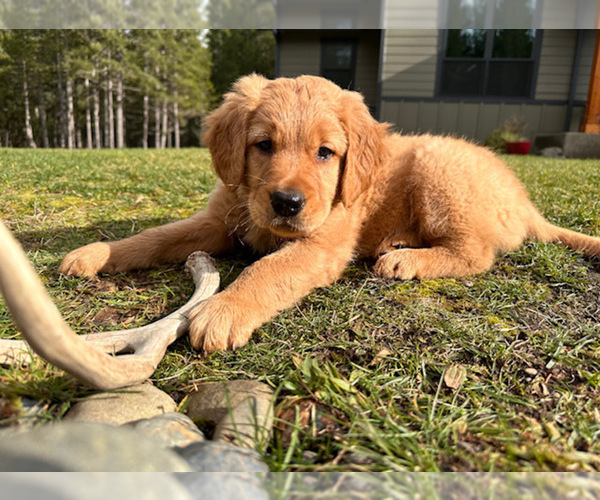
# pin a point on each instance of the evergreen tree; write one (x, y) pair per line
(236, 53)
(97, 88)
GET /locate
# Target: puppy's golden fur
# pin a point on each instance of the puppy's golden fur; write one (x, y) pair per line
(422, 206)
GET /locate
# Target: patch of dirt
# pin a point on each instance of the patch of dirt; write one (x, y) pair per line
(109, 316)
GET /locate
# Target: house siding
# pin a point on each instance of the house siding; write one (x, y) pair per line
(298, 55)
(409, 63)
(474, 120)
(556, 65)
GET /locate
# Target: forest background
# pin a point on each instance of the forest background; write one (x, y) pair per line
(94, 88)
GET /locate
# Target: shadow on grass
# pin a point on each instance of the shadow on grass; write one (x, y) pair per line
(62, 239)
(59, 241)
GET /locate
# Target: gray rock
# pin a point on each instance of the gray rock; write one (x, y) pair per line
(214, 456)
(169, 430)
(224, 486)
(552, 152)
(91, 486)
(86, 447)
(241, 409)
(126, 405)
(249, 424)
(212, 401)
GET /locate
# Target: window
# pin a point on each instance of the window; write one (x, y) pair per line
(338, 62)
(489, 63)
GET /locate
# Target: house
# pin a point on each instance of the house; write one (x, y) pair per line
(449, 66)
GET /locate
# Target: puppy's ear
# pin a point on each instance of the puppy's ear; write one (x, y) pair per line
(365, 146)
(224, 130)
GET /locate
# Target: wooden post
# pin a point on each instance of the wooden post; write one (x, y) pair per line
(591, 118)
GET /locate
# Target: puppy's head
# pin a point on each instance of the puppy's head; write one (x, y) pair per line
(295, 147)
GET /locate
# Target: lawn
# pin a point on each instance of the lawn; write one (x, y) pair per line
(496, 372)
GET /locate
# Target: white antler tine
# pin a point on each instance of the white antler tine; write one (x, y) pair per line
(49, 336)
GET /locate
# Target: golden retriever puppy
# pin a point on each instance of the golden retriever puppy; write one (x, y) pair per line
(311, 181)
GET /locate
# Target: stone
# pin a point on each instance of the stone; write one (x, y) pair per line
(249, 424)
(214, 456)
(213, 400)
(169, 430)
(242, 410)
(86, 447)
(123, 406)
(552, 152)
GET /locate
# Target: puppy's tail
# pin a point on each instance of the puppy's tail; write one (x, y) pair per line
(543, 230)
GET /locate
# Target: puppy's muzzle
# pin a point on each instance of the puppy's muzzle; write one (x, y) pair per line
(287, 203)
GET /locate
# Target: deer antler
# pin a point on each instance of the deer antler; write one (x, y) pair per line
(84, 356)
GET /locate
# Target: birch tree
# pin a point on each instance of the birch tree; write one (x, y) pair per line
(28, 129)
(102, 88)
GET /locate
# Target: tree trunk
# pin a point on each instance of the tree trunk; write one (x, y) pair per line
(119, 110)
(43, 117)
(88, 115)
(96, 111)
(157, 124)
(110, 127)
(165, 124)
(146, 121)
(41, 97)
(28, 129)
(62, 119)
(176, 130)
(70, 112)
(157, 120)
(106, 125)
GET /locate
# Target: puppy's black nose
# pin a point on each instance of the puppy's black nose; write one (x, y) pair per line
(287, 203)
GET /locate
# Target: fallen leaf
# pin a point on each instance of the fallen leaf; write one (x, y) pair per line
(454, 376)
(383, 353)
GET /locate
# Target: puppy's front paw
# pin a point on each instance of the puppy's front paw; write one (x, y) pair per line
(397, 264)
(86, 261)
(221, 323)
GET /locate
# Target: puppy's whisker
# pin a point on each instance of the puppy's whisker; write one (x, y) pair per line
(258, 178)
(244, 221)
(240, 207)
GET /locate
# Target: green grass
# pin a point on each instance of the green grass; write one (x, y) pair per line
(362, 367)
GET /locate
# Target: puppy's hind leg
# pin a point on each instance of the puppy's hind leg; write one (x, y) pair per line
(434, 262)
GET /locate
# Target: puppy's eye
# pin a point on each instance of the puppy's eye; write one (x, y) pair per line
(265, 146)
(324, 153)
